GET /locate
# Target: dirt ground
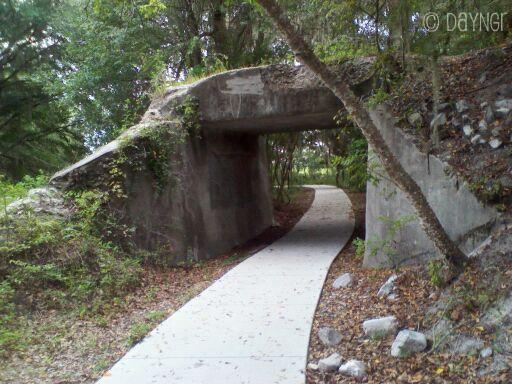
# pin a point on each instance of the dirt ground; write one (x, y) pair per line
(345, 309)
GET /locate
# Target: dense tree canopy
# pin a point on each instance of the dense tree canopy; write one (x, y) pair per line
(75, 73)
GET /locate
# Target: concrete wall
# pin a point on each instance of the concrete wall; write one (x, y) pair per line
(466, 220)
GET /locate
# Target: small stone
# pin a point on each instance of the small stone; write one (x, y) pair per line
(380, 327)
(387, 287)
(392, 297)
(461, 106)
(312, 367)
(329, 336)
(503, 103)
(475, 139)
(414, 119)
(407, 343)
(443, 106)
(486, 352)
(495, 143)
(506, 181)
(343, 281)
(465, 345)
(456, 123)
(353, 368)
(489, 115)
(496, 131)
(440, 119)
(330, 363)
(502, 112)
(468, 131)
(482, 126)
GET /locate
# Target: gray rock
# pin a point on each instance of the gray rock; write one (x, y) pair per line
(496, 131)
(465, 345)
(503, 103)
(440, 119)
(443, 106)
(461, 106)
(502, 112)
(468, 131)
(387, 287)
(499, 364)
(353, 368)
(330, 363)
(506, 181)
(438, 334)
(329, 336)
(40, 201)
(482, 126)
(499, 314)
(486, 352)
(476, 139)
(407, 343)
(312, 366)
(415, 119)
(380, 327)
(489, 115)
(343, 281)
(495, 143)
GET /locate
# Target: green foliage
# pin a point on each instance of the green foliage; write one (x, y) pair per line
(137, 332)
(359, 246)
(34, 129)
(378, 97)
(386, 245)
(60, 263)
(353, 166)
(10, 191)
(435, 272)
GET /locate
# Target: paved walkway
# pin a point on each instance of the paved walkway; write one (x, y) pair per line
(252, 325)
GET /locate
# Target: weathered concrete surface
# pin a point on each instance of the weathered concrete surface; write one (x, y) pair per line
(220, 195)
(252, 325)
(466, 220)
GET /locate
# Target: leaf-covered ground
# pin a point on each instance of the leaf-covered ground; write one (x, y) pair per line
(67, 348)
(345, 309)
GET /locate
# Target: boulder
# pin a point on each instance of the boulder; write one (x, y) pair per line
(353, 368)
(41, 201)
(329, 364)
(329, 336)
(343, 281)
(380, 327)
(408, 342)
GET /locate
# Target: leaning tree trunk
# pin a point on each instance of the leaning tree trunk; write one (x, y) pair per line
(357, 111)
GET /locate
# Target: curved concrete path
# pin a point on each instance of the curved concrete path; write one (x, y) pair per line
(252, 325)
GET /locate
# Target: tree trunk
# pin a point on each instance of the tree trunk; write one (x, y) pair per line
(355, 108)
